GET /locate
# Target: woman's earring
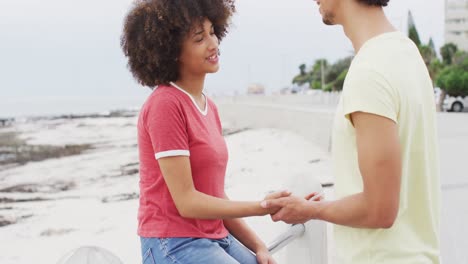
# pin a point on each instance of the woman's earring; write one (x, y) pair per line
(219, 52)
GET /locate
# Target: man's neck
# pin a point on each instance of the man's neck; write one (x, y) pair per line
(361, 23)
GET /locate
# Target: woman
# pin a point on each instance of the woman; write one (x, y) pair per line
(184, 214)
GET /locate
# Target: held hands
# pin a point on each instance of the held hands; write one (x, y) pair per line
(271, 210)
(292, 209)
(284, 207)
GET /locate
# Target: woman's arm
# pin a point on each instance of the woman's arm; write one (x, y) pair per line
(241, 231)
(194, 204)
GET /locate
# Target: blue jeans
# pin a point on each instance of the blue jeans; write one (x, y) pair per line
(195, 250)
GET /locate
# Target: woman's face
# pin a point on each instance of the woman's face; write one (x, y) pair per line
(199, 54)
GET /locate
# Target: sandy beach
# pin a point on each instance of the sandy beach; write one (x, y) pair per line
(50, 207)
(53, 206)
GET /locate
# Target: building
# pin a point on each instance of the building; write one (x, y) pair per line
(256, 89)
(456, 23)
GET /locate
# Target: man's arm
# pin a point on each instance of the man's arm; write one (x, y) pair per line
(379, 156)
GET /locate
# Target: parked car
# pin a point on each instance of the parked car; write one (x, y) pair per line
(455, 104)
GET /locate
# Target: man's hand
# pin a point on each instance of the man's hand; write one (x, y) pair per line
(294, 210)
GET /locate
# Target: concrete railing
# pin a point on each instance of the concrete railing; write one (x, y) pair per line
(303, 243)
(296, 113)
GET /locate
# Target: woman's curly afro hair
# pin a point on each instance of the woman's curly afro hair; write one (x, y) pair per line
(375, 2)
(154, 30)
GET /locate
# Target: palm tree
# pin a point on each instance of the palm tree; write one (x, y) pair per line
(447, 52)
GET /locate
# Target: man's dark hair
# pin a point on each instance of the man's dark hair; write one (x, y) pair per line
(155, 29)
(375, 2)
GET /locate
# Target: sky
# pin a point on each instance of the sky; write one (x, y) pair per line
(64, 56)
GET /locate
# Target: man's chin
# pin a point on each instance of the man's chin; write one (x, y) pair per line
(327, 22)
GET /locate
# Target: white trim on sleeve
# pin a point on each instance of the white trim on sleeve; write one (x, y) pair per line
(172, 153)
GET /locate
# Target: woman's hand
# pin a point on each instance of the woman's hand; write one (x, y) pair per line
(264, 257)
(272, 196)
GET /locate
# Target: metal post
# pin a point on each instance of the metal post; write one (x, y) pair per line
(287, 237)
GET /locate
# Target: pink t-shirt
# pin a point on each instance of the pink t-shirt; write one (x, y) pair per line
(171, 124)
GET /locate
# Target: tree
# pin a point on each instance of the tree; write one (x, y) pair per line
(302, 69)
(460, 59)
(428, 54)
(331, 79)
(312, 77)
(433, 64)
(337, 73)
(431, 45)
(447, 52)
(414, 36)
(339, 82)
(453, 79)
(319, 65)
(434, 68)
(412, 31)
(303, 77)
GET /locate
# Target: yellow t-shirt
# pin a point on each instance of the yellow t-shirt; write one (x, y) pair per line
(389, 78)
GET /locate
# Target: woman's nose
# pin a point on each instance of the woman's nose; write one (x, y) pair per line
(214, 43)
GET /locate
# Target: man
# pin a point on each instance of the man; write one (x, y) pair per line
(384, 151)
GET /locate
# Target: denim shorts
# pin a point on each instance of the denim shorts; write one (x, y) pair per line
(195, 250)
